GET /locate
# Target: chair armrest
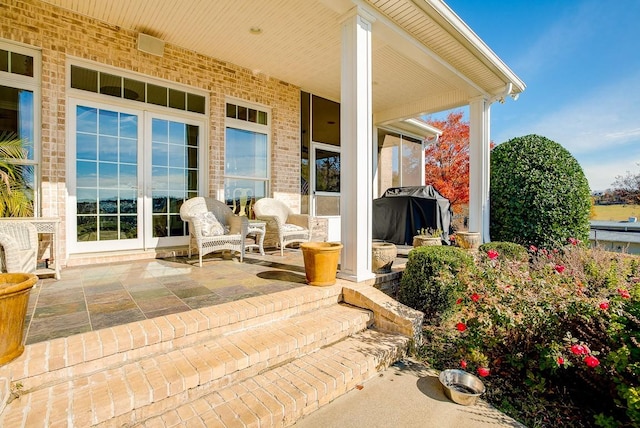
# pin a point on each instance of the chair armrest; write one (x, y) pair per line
(302, 220)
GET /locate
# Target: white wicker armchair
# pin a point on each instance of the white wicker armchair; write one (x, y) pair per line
(19, 247)
(230, 237)
(280, 220)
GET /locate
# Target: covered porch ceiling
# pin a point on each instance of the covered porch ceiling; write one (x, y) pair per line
(425, 59)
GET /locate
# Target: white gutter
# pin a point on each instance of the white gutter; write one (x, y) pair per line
(472, 39)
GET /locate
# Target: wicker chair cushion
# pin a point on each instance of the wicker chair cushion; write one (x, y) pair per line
(288, 227)
(210, 225)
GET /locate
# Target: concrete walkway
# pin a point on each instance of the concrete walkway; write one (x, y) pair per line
(406, 395)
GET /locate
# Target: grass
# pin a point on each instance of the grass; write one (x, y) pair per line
(615, 212)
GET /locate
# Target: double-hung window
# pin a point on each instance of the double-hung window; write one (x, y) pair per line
(247, 149)
(20, 111)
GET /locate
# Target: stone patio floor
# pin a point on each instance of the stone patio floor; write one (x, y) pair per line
(99, 296)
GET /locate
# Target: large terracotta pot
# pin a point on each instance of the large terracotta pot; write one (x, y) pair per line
(468, 240)
(321, 262)
(383, 255)
(14, 299)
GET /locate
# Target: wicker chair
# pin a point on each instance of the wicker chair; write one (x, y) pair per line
(19, 247)
(281, 221)
(233, 233)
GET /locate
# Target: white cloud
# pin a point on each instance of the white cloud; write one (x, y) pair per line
(602, 175)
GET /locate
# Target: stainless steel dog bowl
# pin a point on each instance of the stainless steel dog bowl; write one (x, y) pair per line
(461, 387)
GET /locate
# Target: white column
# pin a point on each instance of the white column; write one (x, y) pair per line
(479, 164)
(356, 198)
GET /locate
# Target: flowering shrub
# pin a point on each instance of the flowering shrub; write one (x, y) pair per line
(556, 337)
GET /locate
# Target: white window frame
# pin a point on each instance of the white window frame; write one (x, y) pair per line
(33, 84)
(146, 111)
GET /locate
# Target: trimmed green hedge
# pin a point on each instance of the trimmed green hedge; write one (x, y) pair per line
(429, 282)
(539, 194)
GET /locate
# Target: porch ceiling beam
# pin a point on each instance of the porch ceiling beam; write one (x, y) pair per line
(403, 42)
(427, 105)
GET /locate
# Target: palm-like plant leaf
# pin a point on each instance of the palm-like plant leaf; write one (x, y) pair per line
(15, 194)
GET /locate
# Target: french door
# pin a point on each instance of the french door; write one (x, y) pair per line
(325, 180)
(130, 172)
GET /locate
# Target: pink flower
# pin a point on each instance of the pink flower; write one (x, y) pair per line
(559, 268)
(463, 364)
(533, 248)
(483, 371)
(492, 254)
(591, 361)
(578, 349)
(461, 326)
(475, 297)
(560, 361)
(458, 301)
(604, 305)
(573, 241)
(624, 293)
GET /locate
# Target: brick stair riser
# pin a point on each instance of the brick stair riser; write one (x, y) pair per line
(281, 396)
(167, 386)
(53, 364)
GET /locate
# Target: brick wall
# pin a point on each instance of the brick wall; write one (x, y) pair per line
(61, 34)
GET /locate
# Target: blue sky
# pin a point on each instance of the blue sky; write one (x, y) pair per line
(580, 61)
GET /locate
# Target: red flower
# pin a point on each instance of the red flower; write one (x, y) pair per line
(475, 297)
(560, 361)
(559, 268)
(463, 364)
(578, 349)
(624, 293)
(492, 254)
(483, 371)
(591, 361)
(461, 326)
(604, 305)
(533, 248)
(458, 301)
(573, 241)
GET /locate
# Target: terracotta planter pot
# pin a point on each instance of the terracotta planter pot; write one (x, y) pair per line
(14, 298)
(321, 262)
(423, 240)
(468, 240)
(383, 255)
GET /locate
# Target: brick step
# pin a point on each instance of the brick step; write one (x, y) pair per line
(57, 360)
(282, 395)
(118, 393)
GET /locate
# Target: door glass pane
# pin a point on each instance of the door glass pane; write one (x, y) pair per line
(327, 171)
(106, 175)
(388, 161)
(411, 163)
(174, 170)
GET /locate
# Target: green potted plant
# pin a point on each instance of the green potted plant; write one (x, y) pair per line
(428, 236)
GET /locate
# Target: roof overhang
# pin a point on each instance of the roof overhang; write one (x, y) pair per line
(425, 59)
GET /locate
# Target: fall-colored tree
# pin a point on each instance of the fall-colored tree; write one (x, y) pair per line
(447, 160)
